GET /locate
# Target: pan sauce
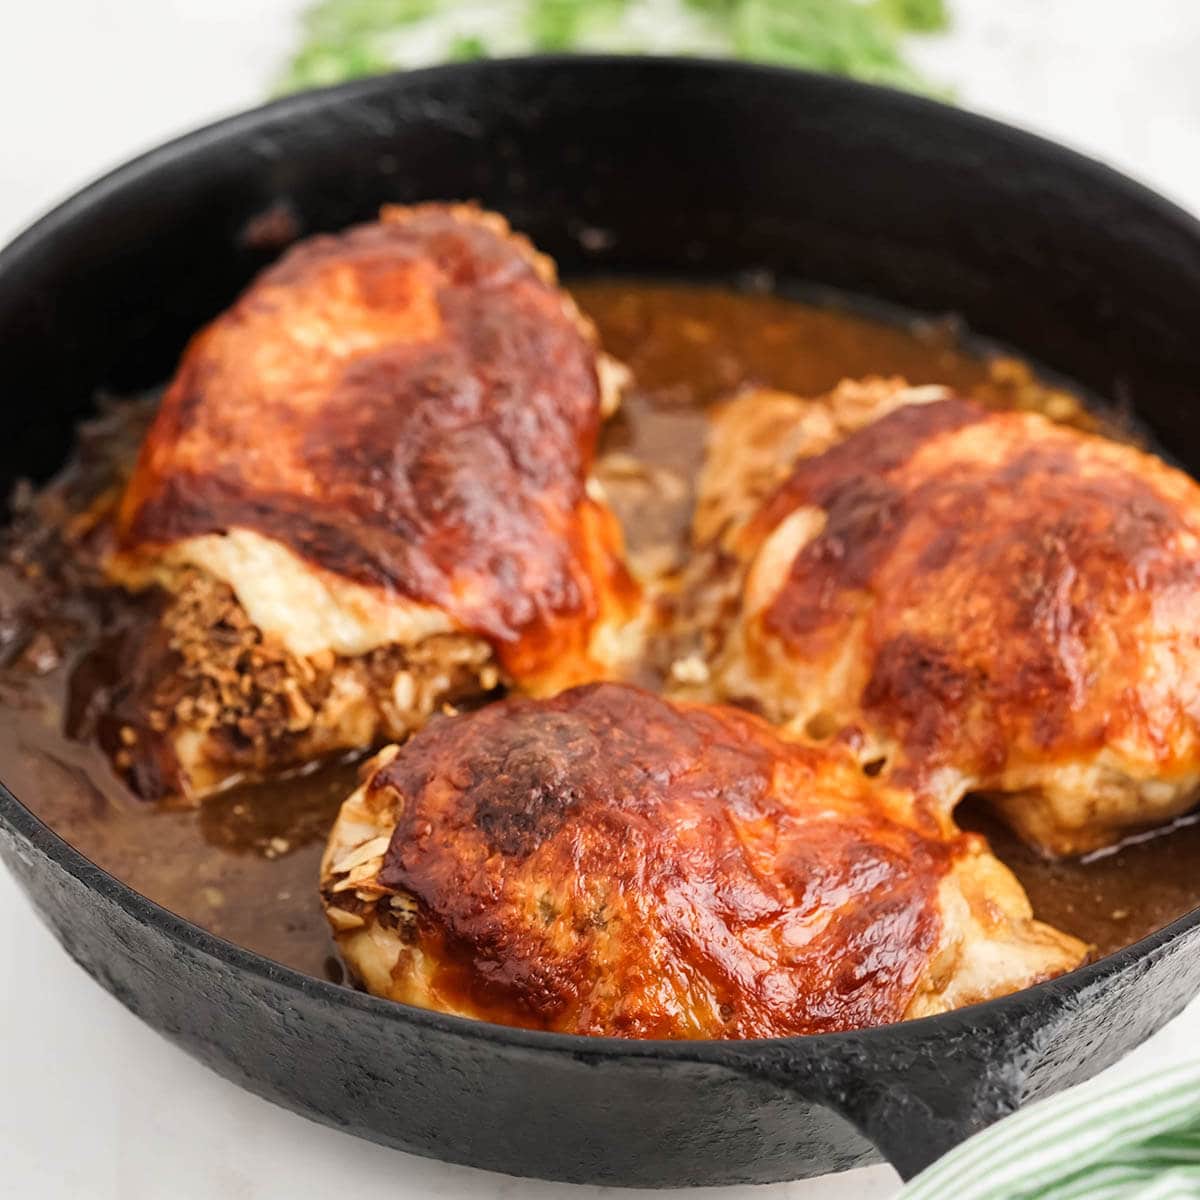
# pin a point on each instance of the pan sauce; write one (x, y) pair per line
(245, 864)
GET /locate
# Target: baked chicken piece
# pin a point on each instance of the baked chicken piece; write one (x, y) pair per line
(983, 601)
(367, 494)
(608, 862)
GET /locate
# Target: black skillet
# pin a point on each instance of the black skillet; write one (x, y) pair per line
(658, 167)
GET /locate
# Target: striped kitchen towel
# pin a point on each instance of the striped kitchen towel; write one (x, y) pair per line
(1133, 1139)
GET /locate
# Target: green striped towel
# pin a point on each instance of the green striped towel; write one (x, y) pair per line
(1137, 1140)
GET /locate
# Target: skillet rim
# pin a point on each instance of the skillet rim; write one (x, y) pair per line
(173, 154)
(96, 188)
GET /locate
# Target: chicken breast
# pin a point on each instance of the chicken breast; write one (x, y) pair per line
(367, 493)
(607, 862)
(984, 602)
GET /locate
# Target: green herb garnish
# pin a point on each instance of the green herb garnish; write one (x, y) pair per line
(343, 39)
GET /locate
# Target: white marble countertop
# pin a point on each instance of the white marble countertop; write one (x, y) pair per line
(96, 1105)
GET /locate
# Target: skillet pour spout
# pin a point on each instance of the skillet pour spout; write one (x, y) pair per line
(689, 169)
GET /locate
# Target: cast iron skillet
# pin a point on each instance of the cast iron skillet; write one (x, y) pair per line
(684, 167)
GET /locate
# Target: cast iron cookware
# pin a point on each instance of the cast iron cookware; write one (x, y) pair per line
(659, 167)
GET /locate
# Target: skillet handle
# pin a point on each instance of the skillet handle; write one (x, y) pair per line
(915, 1090)
(915, 1114)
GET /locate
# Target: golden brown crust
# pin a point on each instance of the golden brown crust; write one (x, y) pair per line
(411, 406)
(992, 600)
(607, 862)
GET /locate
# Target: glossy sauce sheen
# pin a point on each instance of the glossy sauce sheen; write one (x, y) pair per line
(245, 864)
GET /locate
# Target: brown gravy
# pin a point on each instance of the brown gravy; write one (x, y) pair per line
(245, 864)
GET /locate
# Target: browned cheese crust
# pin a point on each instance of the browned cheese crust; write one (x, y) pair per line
(607, 862)
(987, 601)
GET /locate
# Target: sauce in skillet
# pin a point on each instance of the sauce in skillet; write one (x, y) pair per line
(244, 865)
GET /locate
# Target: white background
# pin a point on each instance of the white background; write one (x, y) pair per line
(92, 1104)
